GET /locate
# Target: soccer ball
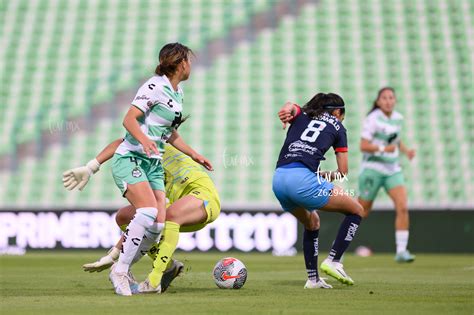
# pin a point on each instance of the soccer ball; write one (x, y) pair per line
(230, 273)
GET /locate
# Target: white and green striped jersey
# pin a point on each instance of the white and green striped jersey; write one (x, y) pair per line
(161, 106)
(382, 130)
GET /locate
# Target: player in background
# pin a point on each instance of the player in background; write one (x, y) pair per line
(194, 203)
(301, 188)
(136, 166)
(380, 144)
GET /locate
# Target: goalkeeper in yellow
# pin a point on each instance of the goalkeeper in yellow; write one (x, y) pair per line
(193, 203)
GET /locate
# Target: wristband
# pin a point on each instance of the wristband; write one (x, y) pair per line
(93, 166)
(381, 148)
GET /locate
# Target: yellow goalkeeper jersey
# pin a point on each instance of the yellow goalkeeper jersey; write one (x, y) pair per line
(180, 171)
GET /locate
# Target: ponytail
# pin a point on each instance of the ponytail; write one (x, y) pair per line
(171, 55)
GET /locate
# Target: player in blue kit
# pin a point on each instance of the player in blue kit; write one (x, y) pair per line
(301, 188)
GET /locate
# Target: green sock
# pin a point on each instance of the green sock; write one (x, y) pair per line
(166, 248)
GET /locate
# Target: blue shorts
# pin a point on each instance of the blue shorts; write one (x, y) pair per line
(296, 186)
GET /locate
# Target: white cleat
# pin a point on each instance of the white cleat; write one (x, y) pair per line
(320, 284)
(121, 282)
(146, 287)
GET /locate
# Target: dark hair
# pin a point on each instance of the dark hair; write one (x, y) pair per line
(171, 55)
(182, 121)
(374, 105)
(323, 103)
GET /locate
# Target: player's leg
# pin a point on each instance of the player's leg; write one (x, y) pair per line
(370, 182)
(288, 185)
(310, 221)
(188, 210)
(143, 200)
(141, 197)
(397, 192)
(339, 202)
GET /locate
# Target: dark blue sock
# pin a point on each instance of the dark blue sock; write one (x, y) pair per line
(310, 248)
(346, 233)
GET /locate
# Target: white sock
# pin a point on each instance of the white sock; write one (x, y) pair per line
(143, 219)
(151, 236)
(401, 239)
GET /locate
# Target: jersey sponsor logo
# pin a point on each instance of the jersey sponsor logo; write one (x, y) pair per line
(142, 97)
(299, 145)
(351, 232)
(151, 86)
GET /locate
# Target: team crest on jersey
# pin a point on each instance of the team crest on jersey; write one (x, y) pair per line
(136, 172)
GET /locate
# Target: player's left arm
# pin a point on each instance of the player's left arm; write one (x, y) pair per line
(178, 142)
(79, 176)
(410, 153)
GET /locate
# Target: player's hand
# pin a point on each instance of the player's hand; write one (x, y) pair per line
(149, 146)
(203, 161)
(285, 113)
(104, 262)
(79, 176)
(390, 148)
(411, 154)
(76, 177)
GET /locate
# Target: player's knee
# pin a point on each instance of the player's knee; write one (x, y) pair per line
(146, 216)
(313, 222)
(402, 209)
(170, 215)
(121, 218)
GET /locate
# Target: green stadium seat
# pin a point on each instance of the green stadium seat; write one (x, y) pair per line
(329, 46)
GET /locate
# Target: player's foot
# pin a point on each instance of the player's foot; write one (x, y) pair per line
(132, 282)
(146, 287)
(336, 270)
(319, 284)
(170, 274)
(121, 282)
(404, 257)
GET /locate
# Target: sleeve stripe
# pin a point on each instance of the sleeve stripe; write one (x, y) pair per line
(343, 149)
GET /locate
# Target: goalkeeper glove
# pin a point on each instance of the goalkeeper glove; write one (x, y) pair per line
(79, 176)
(104, 262)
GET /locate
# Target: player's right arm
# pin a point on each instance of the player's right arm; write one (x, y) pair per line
(79, 176)
(368, 131)
(288, 112)
(130, 122)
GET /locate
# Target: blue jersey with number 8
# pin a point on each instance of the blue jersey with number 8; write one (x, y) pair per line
(309, 139)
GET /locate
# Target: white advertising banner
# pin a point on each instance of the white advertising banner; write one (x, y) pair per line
(243, 231)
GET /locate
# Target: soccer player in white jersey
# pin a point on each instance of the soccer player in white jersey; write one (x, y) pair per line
(150, 122)
(380, 144)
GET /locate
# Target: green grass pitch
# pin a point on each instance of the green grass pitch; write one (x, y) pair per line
(54, 283)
